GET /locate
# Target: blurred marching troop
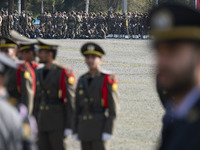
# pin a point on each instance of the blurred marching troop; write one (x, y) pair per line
(62, 25)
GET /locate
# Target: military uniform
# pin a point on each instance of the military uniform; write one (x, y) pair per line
(181, 123)
(96, 105)
(11, 125)
(71, 26)
(26, 79)
(53, 103)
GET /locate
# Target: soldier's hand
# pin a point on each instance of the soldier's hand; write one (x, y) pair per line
(75, 136)
(106, 136)
(67, 132)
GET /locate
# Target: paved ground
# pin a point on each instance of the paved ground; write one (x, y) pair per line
(139, 122)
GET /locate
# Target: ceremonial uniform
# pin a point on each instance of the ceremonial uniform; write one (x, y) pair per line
(26, 79)
(96, 105)
(182, 120)
(53, 103)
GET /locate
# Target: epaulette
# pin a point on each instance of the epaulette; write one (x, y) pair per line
(106, 72)
(69, 72)
(41, 66)
(112, 79)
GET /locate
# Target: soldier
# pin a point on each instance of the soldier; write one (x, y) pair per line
(24, 22)
(177, 54)
(59, 24)
(11, 127)
(4, 27)
(11, 80)
(16, 21)
(54, 99)
(96, 96)
(71, 25)
(77, 26)
(26, 78)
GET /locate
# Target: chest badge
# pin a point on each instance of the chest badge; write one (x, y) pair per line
(114, 87)
(27, 75)
(81, 92)
(71, 80)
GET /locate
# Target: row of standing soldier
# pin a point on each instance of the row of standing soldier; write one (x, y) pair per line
(76, 25)
(48, 93)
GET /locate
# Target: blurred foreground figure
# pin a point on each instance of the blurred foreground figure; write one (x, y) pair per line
(176, 29)
(10, 122)
(96, 102)
(54, 98)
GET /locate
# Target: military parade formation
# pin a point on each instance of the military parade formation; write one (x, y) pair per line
(41, 102)
(62, 25)
(54, 108)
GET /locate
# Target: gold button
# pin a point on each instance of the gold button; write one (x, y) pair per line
(48, 91)
(41, 108)
(42, 92)
(91, 100)
(47, 107)
(86, 100)
(84, 117)
(38, 83)
(81, 92)
(90, 117)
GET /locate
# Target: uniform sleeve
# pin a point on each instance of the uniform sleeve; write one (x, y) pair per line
(26, 90)
(37, 98)
(70, 94)
(77, 110)
(112, 107)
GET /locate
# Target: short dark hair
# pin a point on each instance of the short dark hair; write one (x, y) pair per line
(54, 52)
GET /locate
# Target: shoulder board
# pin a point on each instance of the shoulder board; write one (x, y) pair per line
(106, 72)
(69, 72)
(61, 66)
(41, 66)
(21, 67)
(84, 75)
(35, 65)
(112, 79)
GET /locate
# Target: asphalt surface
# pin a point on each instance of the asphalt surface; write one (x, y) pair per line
(139, 122)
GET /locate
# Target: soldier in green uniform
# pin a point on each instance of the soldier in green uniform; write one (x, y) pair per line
(59, 24)
(95, 103)
(4, 26)
(26, 79)
(71, 26)
(54, 98)
(24, 22)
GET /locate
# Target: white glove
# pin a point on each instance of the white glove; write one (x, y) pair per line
(75, 136)
(67, 132)
(106, 136)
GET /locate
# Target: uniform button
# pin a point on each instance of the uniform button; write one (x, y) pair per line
(91, 100)
(86, 100)
(41, 108)
(38, 83)
(47, 107)
(84, 117)
(48, 91)
(90, 117)
(42, 92)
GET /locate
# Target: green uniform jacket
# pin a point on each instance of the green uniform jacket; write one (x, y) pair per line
(91, 117)
(49, 109)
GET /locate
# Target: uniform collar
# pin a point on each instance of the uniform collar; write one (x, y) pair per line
(181, 111)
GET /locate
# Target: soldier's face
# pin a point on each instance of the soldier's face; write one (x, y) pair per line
(11, 52)
(93, 62)
(43, 56)
(176, 66)
(27, 56)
